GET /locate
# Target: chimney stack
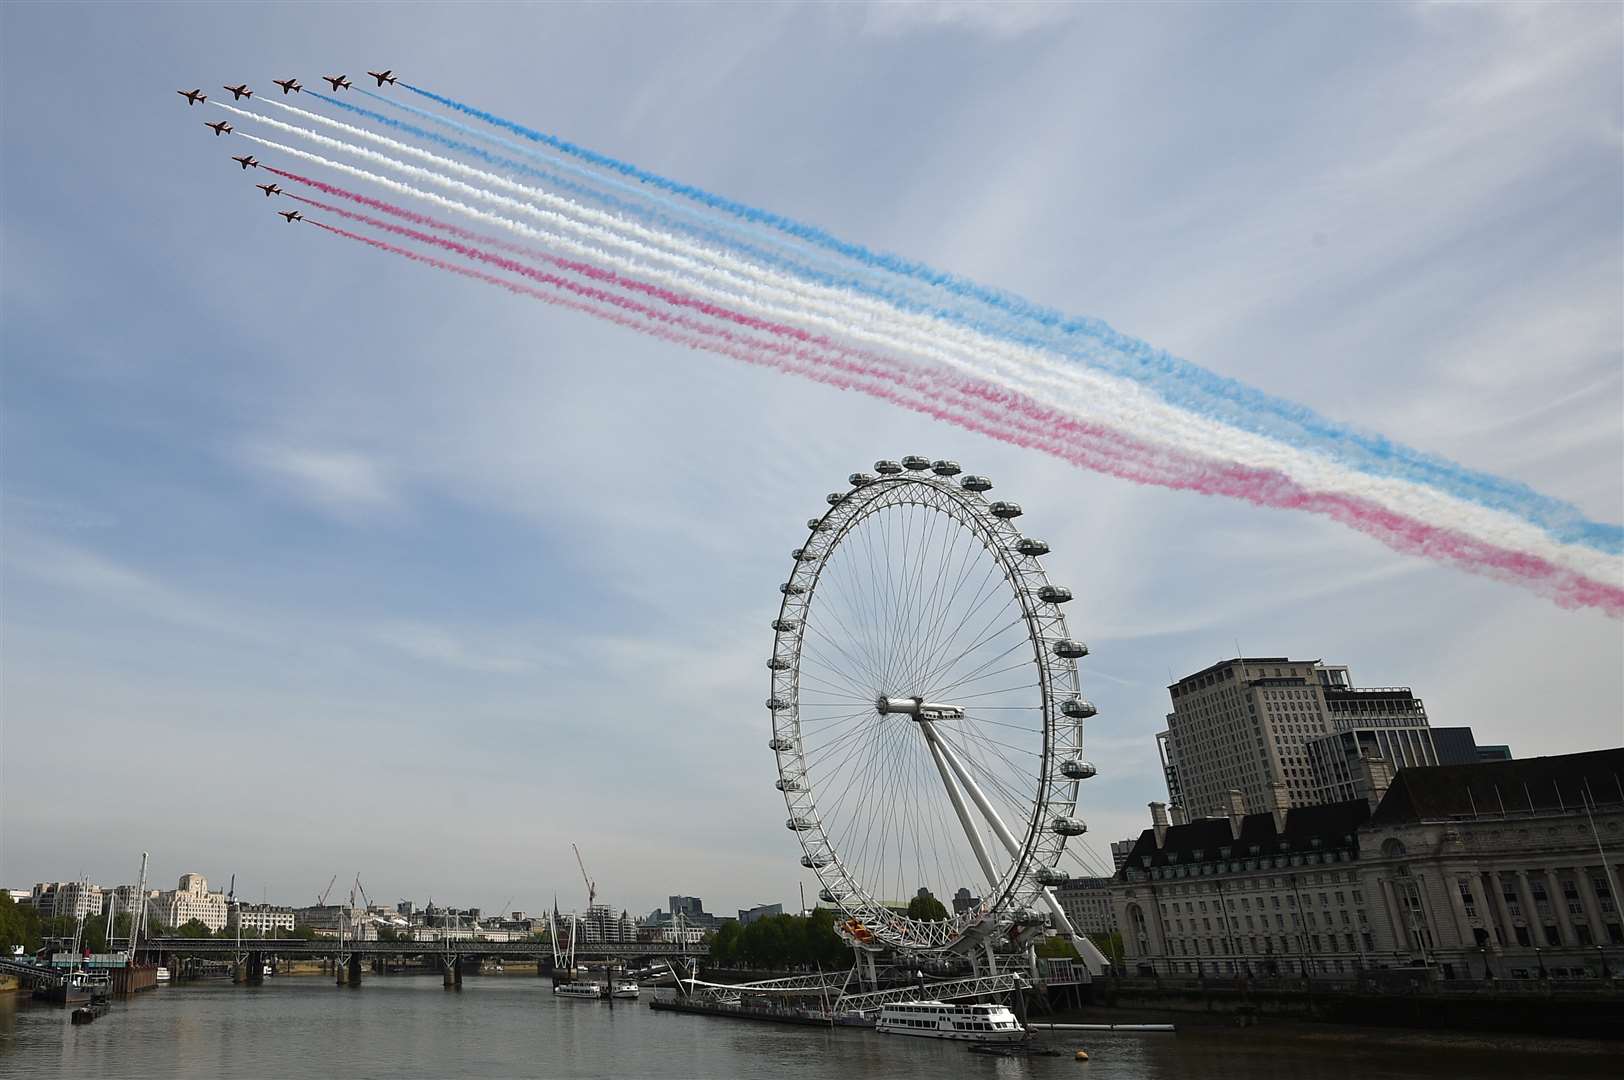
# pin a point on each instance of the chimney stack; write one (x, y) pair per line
(1158, 821)
(1237, 812)
(1375, 777)
(1279, 803)
(1176, 812)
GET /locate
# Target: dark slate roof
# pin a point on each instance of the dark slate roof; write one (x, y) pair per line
(1334, 825)
(1518, 786)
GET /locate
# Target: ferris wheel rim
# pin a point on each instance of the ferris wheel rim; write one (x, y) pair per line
(1052, 651)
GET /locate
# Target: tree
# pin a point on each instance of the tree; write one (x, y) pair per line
(926, 906)
(192, 928)
(19, 925)
(1057, 948)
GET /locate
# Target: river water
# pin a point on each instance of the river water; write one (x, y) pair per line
(511, 1026)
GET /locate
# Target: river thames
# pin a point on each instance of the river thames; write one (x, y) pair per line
(512, 1026)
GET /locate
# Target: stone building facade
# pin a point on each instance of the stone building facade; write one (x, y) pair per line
(1493, 870)
(1504, 869)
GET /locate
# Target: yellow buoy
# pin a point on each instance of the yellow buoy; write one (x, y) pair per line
(1082, 1055)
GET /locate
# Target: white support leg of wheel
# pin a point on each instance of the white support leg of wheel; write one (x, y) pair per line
(970, 830)
(1062, 923)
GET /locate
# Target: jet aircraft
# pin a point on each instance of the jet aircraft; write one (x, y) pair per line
(291, 215)
(269, 189)
(239, 91)
(387, 75)
(193, 96)
(246, 161)
(288, 85)
(220, 127)
(340, 82)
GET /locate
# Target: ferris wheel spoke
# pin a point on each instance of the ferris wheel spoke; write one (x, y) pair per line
(859, 661)
(985, 591)
(979, 673)
(945, 667)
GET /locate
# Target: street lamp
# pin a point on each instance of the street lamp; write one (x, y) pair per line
(1539, 955)
(1483, 951)
(1601, 954)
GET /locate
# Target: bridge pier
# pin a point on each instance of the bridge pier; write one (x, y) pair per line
(451, 967)
(256, 969)
(340, 976)
(355, 969)
(238, 971)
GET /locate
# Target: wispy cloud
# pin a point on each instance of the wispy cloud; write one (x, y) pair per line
(1001, 20)
(437, 645)
(343, 483)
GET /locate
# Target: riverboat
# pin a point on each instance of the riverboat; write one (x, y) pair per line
(585, 990)
(939, 1020)
(624, 988)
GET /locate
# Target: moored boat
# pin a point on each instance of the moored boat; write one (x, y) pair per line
(624, 988)
(584, 990)
(939, 1020)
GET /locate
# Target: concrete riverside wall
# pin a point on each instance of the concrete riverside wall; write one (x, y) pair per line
(1576, 1014)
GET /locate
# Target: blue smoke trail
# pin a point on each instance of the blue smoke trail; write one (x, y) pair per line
(1176, 381)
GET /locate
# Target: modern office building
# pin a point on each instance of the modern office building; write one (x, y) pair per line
(1244, 724)
(1087, 903)
(265, 920)
(760, 911)
(1334, 759)
(66, 899)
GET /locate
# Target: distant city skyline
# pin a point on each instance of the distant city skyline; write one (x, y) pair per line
(315, 564)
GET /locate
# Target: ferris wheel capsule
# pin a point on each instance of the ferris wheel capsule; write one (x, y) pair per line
(782, 625)
(945, 468)
(1028, 546)
(1068, 826)
(814, 862)
(1050, 876)
(860, 479)
(887, 468)
(975, 483)
(916, 463)
(1074, 769)
(1078, 708)
(1071, 650)
(782, 745)
(1054, 594)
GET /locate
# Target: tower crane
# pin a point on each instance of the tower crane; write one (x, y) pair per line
(365, 899)
(591, 886)
(321, 900)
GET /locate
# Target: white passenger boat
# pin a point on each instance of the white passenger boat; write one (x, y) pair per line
(938, 1020)
(590, 991)
(624, 988)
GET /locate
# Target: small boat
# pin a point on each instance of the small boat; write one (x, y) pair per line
(939, 1020)
(624, 988)
(161, 974)
(584, 990)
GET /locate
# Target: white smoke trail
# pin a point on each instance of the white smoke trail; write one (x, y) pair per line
(1091, 396)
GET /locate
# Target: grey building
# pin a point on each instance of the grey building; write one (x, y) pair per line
(1334, 759)
(1087, 903)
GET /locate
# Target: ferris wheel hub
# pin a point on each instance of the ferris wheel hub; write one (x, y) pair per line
(918, 708)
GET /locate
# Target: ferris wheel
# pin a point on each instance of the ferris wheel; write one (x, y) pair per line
(927, 716)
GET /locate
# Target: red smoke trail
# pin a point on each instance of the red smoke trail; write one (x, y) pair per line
(993, 411)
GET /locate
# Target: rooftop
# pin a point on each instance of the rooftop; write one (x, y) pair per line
(1541, 785)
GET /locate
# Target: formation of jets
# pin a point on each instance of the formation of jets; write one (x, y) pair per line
(289, 86)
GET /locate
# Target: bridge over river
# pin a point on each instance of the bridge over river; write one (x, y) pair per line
(349, 956)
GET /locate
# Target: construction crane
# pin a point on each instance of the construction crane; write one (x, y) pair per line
(321, 900)
(365, 899)
(591, 886)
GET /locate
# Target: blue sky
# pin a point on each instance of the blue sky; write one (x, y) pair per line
(318, 562)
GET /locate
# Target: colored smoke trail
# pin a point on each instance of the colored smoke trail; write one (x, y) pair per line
(1031, 425)
(1099, 402)
(1177, 381)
